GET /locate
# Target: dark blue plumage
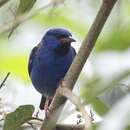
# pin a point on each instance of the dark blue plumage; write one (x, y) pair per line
(49, 62)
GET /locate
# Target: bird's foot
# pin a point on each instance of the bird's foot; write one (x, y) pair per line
(61, 81)
(46, 108)
(47, 112)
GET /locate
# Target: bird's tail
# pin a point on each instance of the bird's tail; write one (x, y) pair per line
(42, 103)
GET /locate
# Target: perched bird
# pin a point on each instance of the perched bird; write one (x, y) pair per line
(49, 62)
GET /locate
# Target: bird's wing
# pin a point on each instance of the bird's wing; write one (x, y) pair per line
(74, 51)
(31, 57)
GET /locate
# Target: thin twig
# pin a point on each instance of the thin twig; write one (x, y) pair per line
(92, 115)
(32, 126)
(3, 82)
(35, 118)
(76, 101)
(2, 119)
(24, 17)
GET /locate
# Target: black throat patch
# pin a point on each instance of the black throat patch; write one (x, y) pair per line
(62, 49)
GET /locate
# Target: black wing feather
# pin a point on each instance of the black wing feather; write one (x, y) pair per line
(74, 51)
(31, 59)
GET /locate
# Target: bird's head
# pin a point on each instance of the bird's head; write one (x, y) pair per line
(58, 38)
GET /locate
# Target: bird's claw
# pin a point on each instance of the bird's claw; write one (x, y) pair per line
(47, 111)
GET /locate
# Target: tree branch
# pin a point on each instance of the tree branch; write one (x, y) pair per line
(58, 126)
(83, 54)
(2, 84)
(26, 16)
(69, 127)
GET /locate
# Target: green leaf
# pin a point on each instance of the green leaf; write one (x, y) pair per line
(118, 42)
(25, 5)
(128, 128)
(96, 87)
(95, 126)
(15, 119)
(100, 107)
(2, 2)
(10, 64)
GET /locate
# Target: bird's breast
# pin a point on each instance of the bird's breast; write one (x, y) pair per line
(48, 70)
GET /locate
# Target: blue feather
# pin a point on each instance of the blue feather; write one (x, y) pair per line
(50, 61)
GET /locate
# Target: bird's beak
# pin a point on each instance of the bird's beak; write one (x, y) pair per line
(67, 40)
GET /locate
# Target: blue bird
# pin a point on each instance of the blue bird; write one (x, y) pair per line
(49, 62)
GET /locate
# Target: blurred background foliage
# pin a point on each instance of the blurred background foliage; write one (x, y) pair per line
(106, 75)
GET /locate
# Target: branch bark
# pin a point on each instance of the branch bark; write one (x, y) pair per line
(69, 127)
(83, 54)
